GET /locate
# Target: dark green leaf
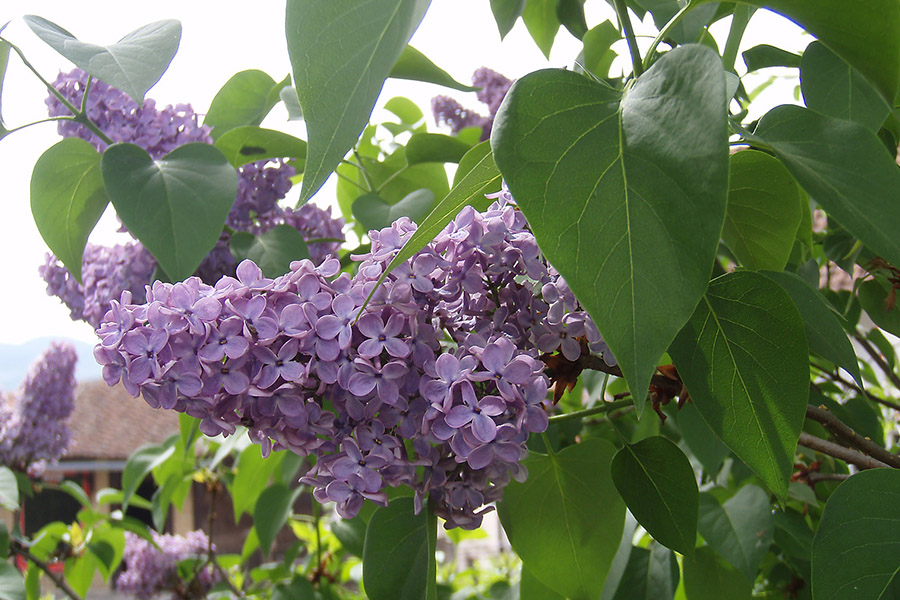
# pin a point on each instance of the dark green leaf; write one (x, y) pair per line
(77, 492)
(741, 529)
(692, 26)
(506, 13)
(435, 147)
(743, 358)
(12, 586)
(764, 55)
(597, 41)
(299, 588)
(703, 443)
(374, 213)
(657, 482)
(68, 198)
(414, 65)
(175, 206)
(133, 64)
(338, 76)
(586, 167)
(9, 489)
(4, 541)
(162, 500)
(792, 534)
(763, 211)
(540, 18)
(273, 507)
(273, 251)
(553, 521)
(352, 532)
(650, 575)
(288, 95)
(242, 145)
(571, 14)
(139, 465)
(620, 561)
(834, 88)
(107, 545)
(873, 298)
(396, 553)
(252, 477)
(856, 551)
(709, 577)
(824, 330)
(245, 99)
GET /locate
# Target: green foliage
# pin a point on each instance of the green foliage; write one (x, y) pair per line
(708, 577)
(244, 100)
(271, 511)
(12, 586)
(242, 145)
(414, 65)
(273, 251)
(372, 212)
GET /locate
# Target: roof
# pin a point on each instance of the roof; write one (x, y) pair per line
(109, 424)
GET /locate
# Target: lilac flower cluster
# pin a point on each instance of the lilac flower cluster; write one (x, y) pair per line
(151, 571)
(33, 431)
(436, 385)
(110, 271)
(448, 111)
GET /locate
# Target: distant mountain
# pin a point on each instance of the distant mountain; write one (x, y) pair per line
(15, 360)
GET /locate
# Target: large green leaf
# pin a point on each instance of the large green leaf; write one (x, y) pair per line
(597, 54)
(398, 554)
(252, 477)
(245, 99)
(435, 147)
(873, 295)
(273, 251)
(506, 13)
(176, 206)
(372, 212)
(844, 167)
(414, 65)
(856, 551)
(566, 519)
(701, 440)
(9, 489)
(542, 23)
(741, 529)
(709, 577)
(824, 332)
(68, 198)
(631, 223)
(657, 482)
(242, 145)
(133, 64)
(620, 561)
(763, 211)
(139, 465)
(650, 575)
(12, 586)
(341, 52)
(743, 358)
(764, 55)
(834, 88)
(271, 512)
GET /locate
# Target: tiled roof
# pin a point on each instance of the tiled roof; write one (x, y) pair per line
(108, 424)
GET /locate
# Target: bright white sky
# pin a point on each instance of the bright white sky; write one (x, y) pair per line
(218, 40)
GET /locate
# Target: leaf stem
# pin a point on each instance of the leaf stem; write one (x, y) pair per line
(877, 358)
(739, 21)
(848, 455)
(589, 412)
(651, 51)
(846, 434)
(637, 66)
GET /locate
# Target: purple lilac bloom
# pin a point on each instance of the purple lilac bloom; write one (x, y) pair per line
(33, 430)
(150, 572)
(451, 113)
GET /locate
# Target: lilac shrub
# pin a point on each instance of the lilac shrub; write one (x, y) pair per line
(436, 385)
(493, 87)
(33, 430)
(150, 571)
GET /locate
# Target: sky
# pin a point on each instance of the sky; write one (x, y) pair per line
(218, 41)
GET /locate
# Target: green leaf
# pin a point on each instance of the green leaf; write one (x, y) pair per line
(12, 586)
(435, 147)
(288, 95)
(571, 15)
(763, 211)
(824, 332)
(743, 358)
(139, 465)
(406, 110)
(133, 64)
(709, 577)
(586, 167)
(9, 489)
(415, 66)
(700, 439)
(79, 572)
(107, 545)
(162, 499)
(834, 88)
(506, 13)
(657, 482)
(598, 56)
(741, 529)
(175, 206)
(374, 213)
(792, 533)
(553, 521)
(856, 551)
(650, 575)
(844, 167)
(242, 145)
(352, 532)
(77, 492)
(273, 507)
(338, 76)
(33, 582)
(68, 198)
(245, 99)
(764, 55)
(542, 23)
(251, 478)
(4, 541)
(396, 557)
(872, 297)
(620, 561)
(272, 251)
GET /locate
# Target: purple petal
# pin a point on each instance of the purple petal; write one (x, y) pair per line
(459, 416)
(484, 428)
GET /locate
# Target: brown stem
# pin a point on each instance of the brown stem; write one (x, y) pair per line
(210, 549)
(667, 386)
(845, 433)
(877, 358)
(815, 478)
(57, 580)
(850, 385)
(848, 455)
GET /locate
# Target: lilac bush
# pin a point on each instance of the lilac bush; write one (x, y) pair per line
(436, 385)
(493, 87)
(153, 571)
(33, 430)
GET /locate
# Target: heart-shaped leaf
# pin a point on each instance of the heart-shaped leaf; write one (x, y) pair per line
(435, 147)
(744, 359)
(609, 205)
(339, 77)
(414, 65)
(372, 212)
(245, 99)
(175, 206)
(133, 64)
(68, 198)
(272, 251)
(242, 145)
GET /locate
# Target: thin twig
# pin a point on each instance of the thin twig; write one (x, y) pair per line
(848, 455)
(879, 360)
(814, 478)
(836, 377)
(604, 407)
(669, 387)
(845, 433)
(637, 64)
(57, 580)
